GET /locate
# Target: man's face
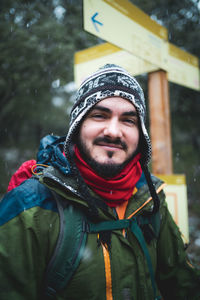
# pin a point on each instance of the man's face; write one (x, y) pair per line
(109, 135)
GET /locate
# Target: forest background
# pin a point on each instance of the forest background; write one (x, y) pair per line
(38, 42)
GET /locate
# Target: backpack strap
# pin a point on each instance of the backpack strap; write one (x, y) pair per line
(69, 248)
(136, 230)
(150, 226)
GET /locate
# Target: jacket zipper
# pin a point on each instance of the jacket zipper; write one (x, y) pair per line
(106, 256)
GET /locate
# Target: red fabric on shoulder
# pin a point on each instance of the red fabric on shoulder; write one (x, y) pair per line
(24, 172)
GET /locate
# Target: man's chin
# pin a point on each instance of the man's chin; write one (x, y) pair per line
(106, 169)
(109, 159)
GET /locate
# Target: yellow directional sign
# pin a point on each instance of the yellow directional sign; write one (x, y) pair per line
(89, 60)
(183, 68)
(176, 197)
(126, 26)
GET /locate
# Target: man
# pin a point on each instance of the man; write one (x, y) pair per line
(134, 249)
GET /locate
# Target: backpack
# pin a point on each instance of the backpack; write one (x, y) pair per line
(74, 227)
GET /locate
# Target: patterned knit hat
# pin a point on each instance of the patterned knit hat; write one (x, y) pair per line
(109, 81)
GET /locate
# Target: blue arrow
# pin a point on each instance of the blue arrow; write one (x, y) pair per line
(95, 22)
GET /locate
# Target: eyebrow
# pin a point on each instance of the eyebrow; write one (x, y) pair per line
(102, 108)
(105, 109)
(130, 114)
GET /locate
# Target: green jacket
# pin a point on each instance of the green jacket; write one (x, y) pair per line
(29, 231)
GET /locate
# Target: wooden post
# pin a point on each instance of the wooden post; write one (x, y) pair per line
(160, 128)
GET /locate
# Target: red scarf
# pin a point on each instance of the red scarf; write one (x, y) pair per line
(116, 190)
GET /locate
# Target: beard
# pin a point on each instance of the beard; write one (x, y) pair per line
(105, 170)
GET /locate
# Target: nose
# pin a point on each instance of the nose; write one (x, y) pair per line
(113, 129)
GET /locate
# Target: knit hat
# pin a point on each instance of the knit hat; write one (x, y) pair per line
(109, 81)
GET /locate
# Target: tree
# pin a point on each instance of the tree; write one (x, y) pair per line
(39, 40)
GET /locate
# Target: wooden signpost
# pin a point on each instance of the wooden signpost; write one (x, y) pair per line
(160, 122)
(123, 24)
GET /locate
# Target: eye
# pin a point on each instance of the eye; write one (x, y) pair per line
(98, 116)
(130, 121)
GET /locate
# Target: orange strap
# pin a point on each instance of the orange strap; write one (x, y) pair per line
(107, 273)
(148, 200)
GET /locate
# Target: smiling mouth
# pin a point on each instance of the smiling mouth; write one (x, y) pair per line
(110, 146)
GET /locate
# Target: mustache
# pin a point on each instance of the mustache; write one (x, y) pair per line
(107, 140)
